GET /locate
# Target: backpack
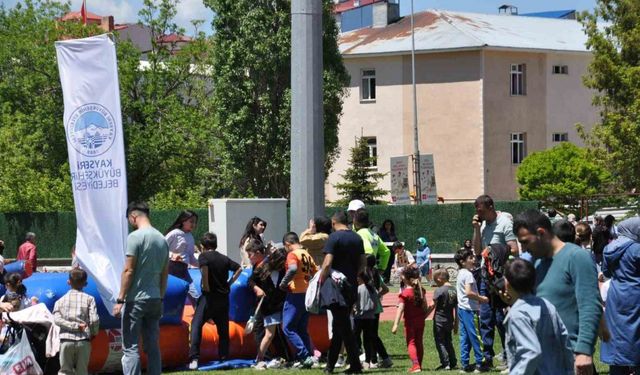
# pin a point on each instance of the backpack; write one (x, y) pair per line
(494, 259)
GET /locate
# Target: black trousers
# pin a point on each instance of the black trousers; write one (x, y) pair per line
(378, 344)
(367, 327)
(444, 345)
(343, 333)
(216, 308)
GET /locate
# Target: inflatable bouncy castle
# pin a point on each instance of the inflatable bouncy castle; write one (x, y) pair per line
(106, 351)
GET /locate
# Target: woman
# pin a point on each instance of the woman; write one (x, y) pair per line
(266, 277)
(388, 231)
(254, 231)
(621, 262)
(314, 237)
(182, 249)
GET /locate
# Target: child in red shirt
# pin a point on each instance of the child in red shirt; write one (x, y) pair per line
(413, 304)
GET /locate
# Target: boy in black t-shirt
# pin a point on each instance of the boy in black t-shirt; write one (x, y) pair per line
(214, 302)
(445, 319)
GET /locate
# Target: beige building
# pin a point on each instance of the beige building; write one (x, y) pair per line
(491, 89)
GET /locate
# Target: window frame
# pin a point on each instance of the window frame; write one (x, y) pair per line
(365, 74)
(560, 70)
(562, 137)
(518, 147)
(373, 151)
(519, 72)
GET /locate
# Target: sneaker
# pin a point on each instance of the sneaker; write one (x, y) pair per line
(505, 371)
(340, 362)
(362, 357)
(308, 362)
(262, 365)
(373, 366)
(296, 364)
(414, 369)
(502, 367)
(275, 363)
(193, 365)
(386, 363)
(470, 369)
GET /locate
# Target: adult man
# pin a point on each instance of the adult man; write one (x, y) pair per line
(144, 282)
(372, 243)
(344, 253)
(489, 228)
(27, 251)
(300, 268)
(566, 277)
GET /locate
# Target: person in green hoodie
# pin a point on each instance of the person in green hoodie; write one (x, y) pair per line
(566, 277)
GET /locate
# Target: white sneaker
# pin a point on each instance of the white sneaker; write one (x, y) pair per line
(340, 362)
(362, 357)
(275, 363)
(373, 366)
(262, 365)
(193, 365)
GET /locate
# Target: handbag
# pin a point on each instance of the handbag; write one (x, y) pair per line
(19, 359)
(248, 328)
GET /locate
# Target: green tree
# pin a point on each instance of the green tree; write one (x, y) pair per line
(252, 80)
(560, 176)
(170, 142)
(613, 31)
(360, 180)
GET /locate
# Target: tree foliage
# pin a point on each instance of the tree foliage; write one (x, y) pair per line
(170, 145)
(614, 38)
(560, 176)
(252, 80)
(360, 180)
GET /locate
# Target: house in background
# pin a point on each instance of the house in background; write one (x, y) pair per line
(491, 89)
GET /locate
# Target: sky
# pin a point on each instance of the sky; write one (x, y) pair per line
(126, 11)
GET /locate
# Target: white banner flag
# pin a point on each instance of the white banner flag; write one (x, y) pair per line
(400, 180)
(429, 192)
(93, 124)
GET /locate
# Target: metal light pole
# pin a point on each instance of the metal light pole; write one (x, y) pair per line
(307, 135)
(416, 146)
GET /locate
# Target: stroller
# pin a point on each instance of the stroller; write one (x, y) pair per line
(23, 343)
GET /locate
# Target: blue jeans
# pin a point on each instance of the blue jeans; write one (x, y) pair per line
(491, 317)
(294, 321)
(469, 336)
(141, 317)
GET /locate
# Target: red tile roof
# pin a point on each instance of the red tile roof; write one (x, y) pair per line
(173, 38)
(78, 16)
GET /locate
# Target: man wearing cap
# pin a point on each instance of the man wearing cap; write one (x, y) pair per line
(354, 206)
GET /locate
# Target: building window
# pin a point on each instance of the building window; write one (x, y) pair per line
(368, 88)
(560, 69)
(560, 137)
(518, 148)
(372, 144)
(518, 79)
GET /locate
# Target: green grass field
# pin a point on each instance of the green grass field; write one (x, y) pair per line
(396, 347)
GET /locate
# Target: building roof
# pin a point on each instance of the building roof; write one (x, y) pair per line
(348, 5)
(173, 38)
(551, 14)
(78, 16)
(438, 30)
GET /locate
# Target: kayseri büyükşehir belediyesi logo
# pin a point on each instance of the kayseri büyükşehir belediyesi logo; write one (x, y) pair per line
(91, 129)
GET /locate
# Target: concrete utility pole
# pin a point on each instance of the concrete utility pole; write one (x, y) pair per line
(416, 147)
(307, 134)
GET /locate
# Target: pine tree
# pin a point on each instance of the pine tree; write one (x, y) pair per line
(360, 180)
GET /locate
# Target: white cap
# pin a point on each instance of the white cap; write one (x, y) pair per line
(355, 205)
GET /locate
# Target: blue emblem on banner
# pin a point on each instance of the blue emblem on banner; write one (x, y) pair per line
(91, 129)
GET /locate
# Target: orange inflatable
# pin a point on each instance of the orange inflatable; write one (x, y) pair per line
(106, 347)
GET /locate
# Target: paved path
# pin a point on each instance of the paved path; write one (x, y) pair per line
(390, 303)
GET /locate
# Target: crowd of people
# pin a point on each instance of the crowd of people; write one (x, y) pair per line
(549, 287)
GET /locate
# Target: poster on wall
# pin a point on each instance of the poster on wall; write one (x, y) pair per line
(428, 190)
(400, 180)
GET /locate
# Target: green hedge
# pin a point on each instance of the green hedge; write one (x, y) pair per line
(446, 226)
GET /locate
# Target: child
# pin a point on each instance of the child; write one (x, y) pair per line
(16, 293)
(413, 305)
(366, 307)
(214, 302)
(537, 340)
(468, 311)
(76, 315)
(423, 258)
(265, 280)
(382, 289)
(445, 319)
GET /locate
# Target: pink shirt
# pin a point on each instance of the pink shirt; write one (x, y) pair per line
(27, 251)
